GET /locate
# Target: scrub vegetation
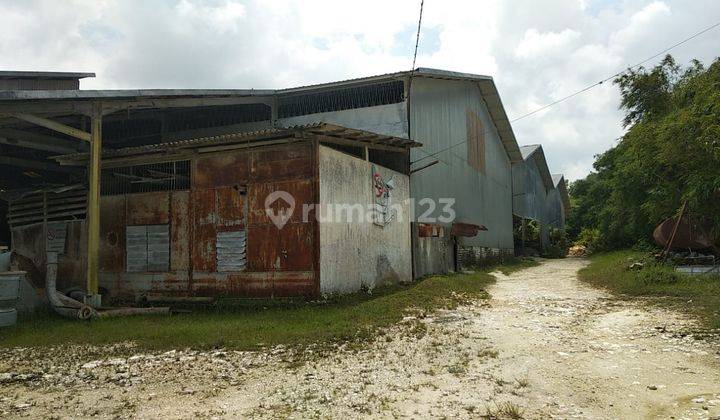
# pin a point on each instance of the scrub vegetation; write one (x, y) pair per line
(257, 324)
(698, 294)
(669, 155)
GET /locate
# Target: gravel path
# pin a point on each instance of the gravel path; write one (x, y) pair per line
(544, 346)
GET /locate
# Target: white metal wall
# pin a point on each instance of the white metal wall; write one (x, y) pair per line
(356, 254)
(438, 113)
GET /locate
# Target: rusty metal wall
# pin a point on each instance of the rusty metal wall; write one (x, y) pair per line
(226, 201)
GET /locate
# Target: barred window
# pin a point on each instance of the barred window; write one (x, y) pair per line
(340, 99)
(166, 176)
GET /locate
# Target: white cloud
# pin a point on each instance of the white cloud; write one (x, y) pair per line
(537, 52)
(535, 44)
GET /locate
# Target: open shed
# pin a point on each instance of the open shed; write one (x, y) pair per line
(241, 215)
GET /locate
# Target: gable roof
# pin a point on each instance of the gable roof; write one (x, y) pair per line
(67, 102)
(487, 86)
(535, 152)
(559, 182)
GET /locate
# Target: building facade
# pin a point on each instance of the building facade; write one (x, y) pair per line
(245, 215)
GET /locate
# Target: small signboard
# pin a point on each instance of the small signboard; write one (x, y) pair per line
(56, 235)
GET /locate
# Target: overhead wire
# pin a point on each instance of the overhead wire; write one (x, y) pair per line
(585, 89)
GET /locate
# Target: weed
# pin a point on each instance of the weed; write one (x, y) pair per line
(491, 353)
(457, 369)
(522, 382)
(507, 410)
(609, 271)
(353, 318)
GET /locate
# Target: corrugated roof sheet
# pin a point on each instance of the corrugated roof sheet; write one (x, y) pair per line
(224, 139)
(486, 84)
(559, 182)
(4, 74)
(536, 152)
(128, 93)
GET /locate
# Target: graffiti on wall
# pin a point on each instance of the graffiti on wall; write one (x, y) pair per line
(383, 212)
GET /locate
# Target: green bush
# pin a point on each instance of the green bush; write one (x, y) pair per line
(592, 239)
(558, 247)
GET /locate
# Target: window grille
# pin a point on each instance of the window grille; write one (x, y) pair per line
(166, 176)
(340, 99)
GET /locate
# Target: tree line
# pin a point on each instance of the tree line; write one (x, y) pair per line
(670, 154)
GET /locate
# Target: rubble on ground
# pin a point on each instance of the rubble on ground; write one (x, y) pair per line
(577, 251)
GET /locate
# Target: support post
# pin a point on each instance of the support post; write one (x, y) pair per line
(93, 209)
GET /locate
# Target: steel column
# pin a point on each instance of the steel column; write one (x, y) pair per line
(93, 209)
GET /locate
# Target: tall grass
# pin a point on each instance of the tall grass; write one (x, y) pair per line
(699, 294)
(247, 327)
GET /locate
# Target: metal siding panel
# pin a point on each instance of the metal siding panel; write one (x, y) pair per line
(179, 231)
(148, 208)
(296, 247)
(228, 169)
(301, 191)
(262, 248)
(204, 230)
(112, 233)
(438, 114)
(158, 248)
(136, 248)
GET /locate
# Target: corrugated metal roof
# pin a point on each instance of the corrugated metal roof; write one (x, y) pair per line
(4, 74)
(131, 93)
(317, 128)
(486, 84)
(419, 72)
(528, 150)
(489, 92)
(536, 152)
(559, 182)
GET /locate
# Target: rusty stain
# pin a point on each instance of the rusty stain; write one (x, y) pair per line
(227, 194)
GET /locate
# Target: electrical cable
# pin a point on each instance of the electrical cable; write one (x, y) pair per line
(585, 89)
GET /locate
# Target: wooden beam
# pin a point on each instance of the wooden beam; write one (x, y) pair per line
(37, 141)
(36, 164)
(347, 142)
(53, 125)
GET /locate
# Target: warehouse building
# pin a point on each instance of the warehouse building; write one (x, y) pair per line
(462, 171)
(540, 201)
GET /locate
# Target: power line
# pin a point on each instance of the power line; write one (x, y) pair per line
(417, 37)
(412, 73)
(585, 89)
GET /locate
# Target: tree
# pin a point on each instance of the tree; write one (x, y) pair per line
(670, 154)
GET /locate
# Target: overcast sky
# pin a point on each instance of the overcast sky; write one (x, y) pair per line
(537, 51)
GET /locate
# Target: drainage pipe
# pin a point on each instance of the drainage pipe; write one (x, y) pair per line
(63, 305)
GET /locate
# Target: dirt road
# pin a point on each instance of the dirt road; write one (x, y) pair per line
(544, 346)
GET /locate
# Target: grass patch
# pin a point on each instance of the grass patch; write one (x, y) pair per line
(610, 271)
(352, 317)
(506, 410)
